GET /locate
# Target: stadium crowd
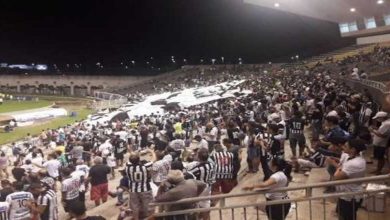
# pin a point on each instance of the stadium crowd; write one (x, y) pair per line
(198, 150)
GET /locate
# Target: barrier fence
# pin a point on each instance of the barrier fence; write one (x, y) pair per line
(308, 206)
(107, 100)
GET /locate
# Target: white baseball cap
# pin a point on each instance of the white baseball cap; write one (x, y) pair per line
(380, 114)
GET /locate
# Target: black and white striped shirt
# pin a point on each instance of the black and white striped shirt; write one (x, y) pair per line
(223, 164)
(139, 177)
(4, 206)
(318, 158)
(364, 113)
(48, 199)
(204, 172)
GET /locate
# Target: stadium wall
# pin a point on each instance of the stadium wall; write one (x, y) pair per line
(80, 85)
(373, 39)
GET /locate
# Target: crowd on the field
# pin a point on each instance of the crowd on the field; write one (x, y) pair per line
(197, 151)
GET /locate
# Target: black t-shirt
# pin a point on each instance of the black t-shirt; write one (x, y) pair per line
(87, 146)
(98, 174)
(119, 146)
(236, 160)
(4, 193)
(317, 115)
(233, 135)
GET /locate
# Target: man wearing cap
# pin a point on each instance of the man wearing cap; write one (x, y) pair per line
(353, 167)
(179, 189)
(380, 139)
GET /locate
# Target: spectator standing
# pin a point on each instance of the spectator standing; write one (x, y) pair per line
(296, 135)
(6, 189)
(70, 189)
(19, 203)
(99, 183)
(381, 139)
(278, 179)
(4, 209)
(211, 135)
(224, 170)
(52, 166)
(139, 175)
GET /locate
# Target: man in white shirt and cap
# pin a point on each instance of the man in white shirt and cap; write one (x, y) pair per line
(381, 139)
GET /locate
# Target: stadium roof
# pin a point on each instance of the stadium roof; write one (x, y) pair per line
(331, 10)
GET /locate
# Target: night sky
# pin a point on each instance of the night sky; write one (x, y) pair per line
(113, 31)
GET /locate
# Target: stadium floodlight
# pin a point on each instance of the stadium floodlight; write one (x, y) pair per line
(379, 2)
(352, 9)
(151, 58)
(133, 62)
(147, 62)
(277, 5)
(201, 60)
(223, 59)
(297, 56)
(213, 61)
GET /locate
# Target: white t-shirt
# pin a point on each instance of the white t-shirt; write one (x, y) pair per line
(281, 181)
(38, 161)
(52, 167)
(353, 168)
(77, 174)
(202, 144)
(107, 146)
(111, 161)
(344, 157)
(367, 113)
(71, 188)
(18, 205)
(84, 168)
(160, 170)
(177, 144)
(385, 130)
(27, 167)
(212, 135)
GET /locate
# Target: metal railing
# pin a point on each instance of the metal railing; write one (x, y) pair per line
(108, 100)
(240, 210)
(374, 84)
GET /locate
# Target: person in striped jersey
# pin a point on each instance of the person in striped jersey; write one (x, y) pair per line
(139, 175)
(46, 202)
(204, 171)
(4, 208)
(224, 170)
